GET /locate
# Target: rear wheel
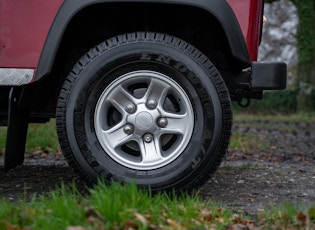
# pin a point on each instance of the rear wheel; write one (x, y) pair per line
(145, 108)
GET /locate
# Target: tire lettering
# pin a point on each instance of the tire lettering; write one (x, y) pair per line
(163, 59)
(195, 162)
(208, 110)
(192, 76)
(180, 67)
(145, 56)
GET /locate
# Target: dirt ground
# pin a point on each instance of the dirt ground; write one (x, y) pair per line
(280, 169)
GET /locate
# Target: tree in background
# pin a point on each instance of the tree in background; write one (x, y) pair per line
(305, 80)
(306, 51)
(279, 42)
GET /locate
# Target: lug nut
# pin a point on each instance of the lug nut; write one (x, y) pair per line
(131, 108)
(148, 137)
(151, 103)
(128, 129)
(162, 122)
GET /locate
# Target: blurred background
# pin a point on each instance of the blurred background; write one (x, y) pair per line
(289, 36)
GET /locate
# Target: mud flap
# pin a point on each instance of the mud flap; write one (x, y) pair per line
(17, 131)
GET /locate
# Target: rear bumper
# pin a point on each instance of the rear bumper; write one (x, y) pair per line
(268, 76)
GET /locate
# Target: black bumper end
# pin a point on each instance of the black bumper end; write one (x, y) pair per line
(268, 76)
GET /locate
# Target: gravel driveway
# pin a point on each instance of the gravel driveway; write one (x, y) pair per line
(280, 169)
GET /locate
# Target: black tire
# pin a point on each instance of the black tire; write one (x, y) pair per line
(147, 108)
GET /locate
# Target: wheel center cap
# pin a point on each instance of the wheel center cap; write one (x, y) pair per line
(144, 121)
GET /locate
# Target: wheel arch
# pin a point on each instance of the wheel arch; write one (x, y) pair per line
(72, 10)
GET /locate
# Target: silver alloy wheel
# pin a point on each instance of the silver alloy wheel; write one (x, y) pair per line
(144, 120)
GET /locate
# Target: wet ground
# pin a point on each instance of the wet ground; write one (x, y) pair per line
(276, 167)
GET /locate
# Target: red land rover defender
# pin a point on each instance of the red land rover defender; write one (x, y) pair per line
(141, 90)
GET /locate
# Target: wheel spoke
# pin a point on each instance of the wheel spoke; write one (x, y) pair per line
(157, 90)
(150, 152)
(120, 98)
(116, 135)
(177, 123)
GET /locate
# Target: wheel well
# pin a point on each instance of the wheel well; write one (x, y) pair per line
(96, 23)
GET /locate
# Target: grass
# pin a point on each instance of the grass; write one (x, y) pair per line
(126, 207)
(275, 117)
(114, 207)
(40, 137)
(43, 136)
(248, 142)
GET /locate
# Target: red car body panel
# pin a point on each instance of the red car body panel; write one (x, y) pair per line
(24, 25)
(249, 15)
